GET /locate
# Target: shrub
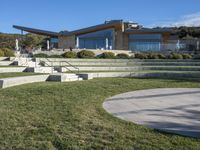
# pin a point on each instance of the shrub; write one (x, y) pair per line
(152, 56)
(86, 54)
(108, 55)
(69, 54)
(186, 56)
(176, 56)
(8, 52)
(55, 56)
(141, 56)
(122, 56)
(1, 53)
(40, 55)
(161, 56)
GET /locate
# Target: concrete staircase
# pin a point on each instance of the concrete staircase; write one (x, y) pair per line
(132, 68)
(98, 68)
(14, 81)
(64, 77)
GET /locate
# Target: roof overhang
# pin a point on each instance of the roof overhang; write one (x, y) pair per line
(116, 25)
(37, 31)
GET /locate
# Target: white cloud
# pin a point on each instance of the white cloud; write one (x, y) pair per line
(186, 20)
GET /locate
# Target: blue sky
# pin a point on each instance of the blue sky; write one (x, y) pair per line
(57, 15)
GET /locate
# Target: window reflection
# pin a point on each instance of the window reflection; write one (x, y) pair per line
(145, 42)
(97, 40)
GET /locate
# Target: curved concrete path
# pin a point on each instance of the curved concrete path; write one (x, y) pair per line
(175, 110)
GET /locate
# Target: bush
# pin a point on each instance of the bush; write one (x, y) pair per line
(8, 52)
(86, 54)
(161, 56)
(108, 55)
(69, 54)
(153, 56)
(1, 53)
(40, 55)
(122, 56)
(186, 56)
(141, 56)
(55, 56)
(176, 56)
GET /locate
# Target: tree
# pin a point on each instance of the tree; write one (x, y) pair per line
(33, 41)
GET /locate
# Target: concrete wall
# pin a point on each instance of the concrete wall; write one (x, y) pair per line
(119, 39)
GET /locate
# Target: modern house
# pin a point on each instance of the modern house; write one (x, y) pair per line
(111, 35)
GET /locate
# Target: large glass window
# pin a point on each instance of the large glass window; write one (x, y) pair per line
(145, 42)
(96, 40)
(54, 42)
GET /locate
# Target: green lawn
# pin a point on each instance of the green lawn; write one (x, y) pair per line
(149, 71)
(70, 116)
(17, 74)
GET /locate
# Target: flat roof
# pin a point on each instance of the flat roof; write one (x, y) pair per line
(37, 31)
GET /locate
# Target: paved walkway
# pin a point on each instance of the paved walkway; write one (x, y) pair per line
(175, 110)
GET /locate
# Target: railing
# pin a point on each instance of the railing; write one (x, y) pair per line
(42, 61)
(66, 62)
(61, 65)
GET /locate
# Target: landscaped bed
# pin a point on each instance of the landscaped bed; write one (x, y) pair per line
(70, 116)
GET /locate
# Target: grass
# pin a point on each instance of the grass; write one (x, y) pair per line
(130, 71)
(17, 74)
(70, 116)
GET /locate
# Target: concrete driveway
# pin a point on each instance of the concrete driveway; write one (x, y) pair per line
(174, 110)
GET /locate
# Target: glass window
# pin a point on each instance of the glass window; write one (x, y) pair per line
(145, 42)
(54, 40)
(97, 40)
(145, 37)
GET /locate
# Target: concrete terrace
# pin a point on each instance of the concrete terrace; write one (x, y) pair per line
(174, 110)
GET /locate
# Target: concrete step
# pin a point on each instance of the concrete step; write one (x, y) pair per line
(84, 64)
(117, 60)
(173, 68)
(12, 69)
(64, 77)
(26, 63)
(165, 63)
(168, 75)
(41, 70)
(9, 82)
(4, 58)
(6, 63)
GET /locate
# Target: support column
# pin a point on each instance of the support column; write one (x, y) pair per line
(22, 34)
(77, 42)
(48, 45)
(107, 44)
